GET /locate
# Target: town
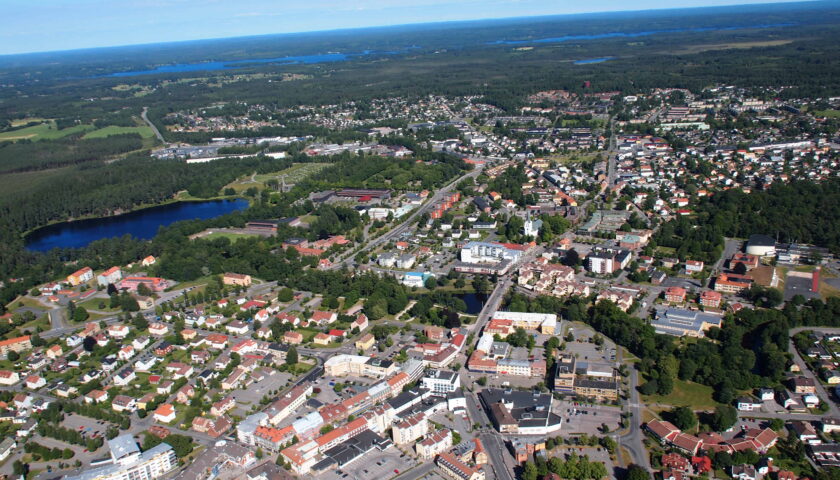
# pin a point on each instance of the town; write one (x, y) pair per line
(556, 299)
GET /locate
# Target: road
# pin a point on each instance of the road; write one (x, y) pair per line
(404, 226)
(633, 440)
(151, 125)
(416, 472)
(833, 410)
(496, 453)
(731, 246)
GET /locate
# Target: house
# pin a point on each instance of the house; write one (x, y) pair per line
(322, 339)
(123, 403)
(148, 261)
(365, 342)
(54, 352)
(140, 343)
(743, 472)
(236, 279)
(361, 322)
(8, 377)
(675, 461)
(830, 424)
(96, 396)
(124, 377)
(693, 266)
(222, 406)
(237, 327)
(165, 413)
(675, 294)
(320, 317)
(185, 393)
(804, 385)
(145, 303)
(158, 329)
(80, 276)
(746, 404)
(163, 349)
(118, 332)
(806, 432)
(289, 318)
(294, 338)
(711, 299)
(766, 394)
(217, 341)
(109, 277)
(34, 382)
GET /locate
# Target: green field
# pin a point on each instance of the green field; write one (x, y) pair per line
(144, 131)
(230, 236)
(689, 394)
(293, 174)
(43, 131)
(827, 113)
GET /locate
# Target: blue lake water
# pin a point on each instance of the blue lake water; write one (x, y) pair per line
(233, 64)
(341, 57)
(593, 60)
(141, 224)
(646, 33)
(474, 301)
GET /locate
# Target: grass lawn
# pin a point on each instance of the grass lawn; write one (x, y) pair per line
(144, 131)
(26, 302)
(198, 282)
(685, 393)
(666, 250)
(293, 174)
(230, 236)
(46, 130)
(827, 113)
(93, 304)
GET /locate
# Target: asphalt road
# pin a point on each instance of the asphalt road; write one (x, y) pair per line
(633, 439)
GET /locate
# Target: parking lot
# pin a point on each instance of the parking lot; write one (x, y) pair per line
(374, 465)
(587, 418)
(255, 391)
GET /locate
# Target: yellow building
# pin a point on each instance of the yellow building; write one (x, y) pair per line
(367, 341)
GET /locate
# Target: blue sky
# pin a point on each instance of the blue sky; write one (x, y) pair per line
(45, 25)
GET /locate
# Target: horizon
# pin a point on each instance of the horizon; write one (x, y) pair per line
(95, 41)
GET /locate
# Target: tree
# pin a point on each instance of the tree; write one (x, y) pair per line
(684, 418)
(530, 472)
(724, 417)
(636, 472)
(80, 314)
(430, 283)
(292, 356)
(144, 290)
(571, 259)
(89, 343)
(285, 295)
(13, 356)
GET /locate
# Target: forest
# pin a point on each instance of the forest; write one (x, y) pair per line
(801, 212)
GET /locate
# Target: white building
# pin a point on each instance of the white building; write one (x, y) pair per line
(130, 464)
(484, 252)
(442, 381)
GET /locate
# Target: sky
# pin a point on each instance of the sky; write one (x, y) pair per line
(48, 25)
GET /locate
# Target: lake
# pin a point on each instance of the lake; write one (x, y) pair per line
(142, 224)
(233, 64)
(474, 301)
(332, 57)
(593, 60)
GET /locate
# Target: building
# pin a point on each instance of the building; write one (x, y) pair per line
(108, 277)
(365, 342)
(129, 463)
(520, 412)
(732, 283)
(680, 322)
(438, 442)
(341, 365)
(236, 279)
(410, 429)
(675, 294)
(710, 299)
(17, 344)
(607, 261)
(442, 381)
(545, 323)
(761, 246)
(155, 284)
(80, 276)
(456, 469)
(486, 252)
(165, 413)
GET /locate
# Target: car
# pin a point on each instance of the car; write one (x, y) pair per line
(396, 471)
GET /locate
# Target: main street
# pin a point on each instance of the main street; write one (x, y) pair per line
(407, 223)
(633, 439)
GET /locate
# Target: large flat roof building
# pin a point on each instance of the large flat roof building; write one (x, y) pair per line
(680, 322)
(129, 463)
